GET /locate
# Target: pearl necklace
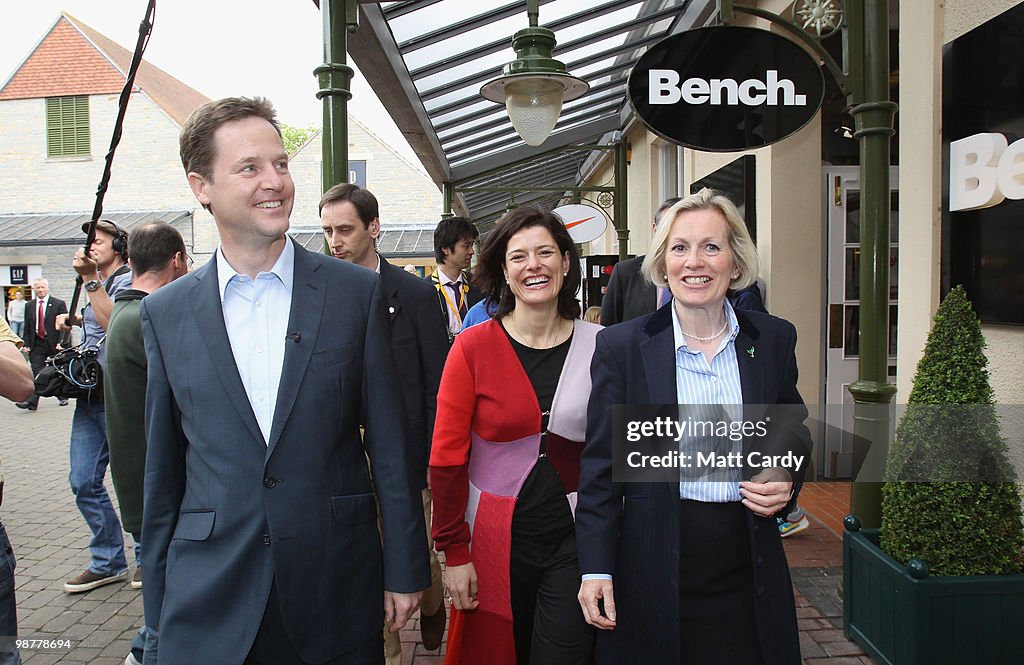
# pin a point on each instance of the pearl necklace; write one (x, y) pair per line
(718, 334)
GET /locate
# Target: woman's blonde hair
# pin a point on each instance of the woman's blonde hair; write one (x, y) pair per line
(743, 250)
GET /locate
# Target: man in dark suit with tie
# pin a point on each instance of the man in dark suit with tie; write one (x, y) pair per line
(349, 216)
(41, 334)
(454, 238)
(262, 545)
(629, 295)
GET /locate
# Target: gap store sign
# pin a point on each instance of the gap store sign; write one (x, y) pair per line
(726, 88)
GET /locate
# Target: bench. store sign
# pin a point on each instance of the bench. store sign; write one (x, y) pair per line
(726, 88)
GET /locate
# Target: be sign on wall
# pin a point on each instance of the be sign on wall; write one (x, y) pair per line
(726, 88)
(984, 169)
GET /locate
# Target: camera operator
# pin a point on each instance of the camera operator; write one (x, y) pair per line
(105, 261)
(15, 384)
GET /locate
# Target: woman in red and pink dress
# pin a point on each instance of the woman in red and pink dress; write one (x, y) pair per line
(504, 467)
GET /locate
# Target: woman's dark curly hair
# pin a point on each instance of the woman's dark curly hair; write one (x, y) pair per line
(489, 274)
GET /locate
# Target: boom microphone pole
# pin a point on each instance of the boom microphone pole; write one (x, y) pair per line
(145, 29)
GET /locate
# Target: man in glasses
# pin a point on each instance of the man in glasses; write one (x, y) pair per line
(158, 258)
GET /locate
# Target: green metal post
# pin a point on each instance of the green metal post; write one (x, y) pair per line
(533, 12)
(335, 78)
(872, 392)
(447, 195)
(621, 223)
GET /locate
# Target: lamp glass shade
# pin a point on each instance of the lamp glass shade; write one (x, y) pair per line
(533, 106)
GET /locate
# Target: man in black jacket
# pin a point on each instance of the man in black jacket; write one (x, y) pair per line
(454, 239)
(41, 333)
(629, 295)
(349, 217)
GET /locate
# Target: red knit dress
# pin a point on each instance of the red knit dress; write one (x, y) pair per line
(486, 441)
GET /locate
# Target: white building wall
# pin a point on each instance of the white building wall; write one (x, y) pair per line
(146, 172)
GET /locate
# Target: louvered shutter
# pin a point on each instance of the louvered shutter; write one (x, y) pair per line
(67, 126)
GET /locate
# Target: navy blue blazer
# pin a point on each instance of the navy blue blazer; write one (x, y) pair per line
(227, 514)
(631, 531)
(419, 343)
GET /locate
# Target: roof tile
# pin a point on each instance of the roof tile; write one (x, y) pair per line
(74, 59)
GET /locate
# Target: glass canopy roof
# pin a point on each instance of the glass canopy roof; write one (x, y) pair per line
(427, 60)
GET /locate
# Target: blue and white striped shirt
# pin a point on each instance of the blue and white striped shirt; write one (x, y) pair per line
(716, 384)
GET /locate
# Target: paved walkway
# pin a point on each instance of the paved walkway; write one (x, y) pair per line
(815, 558)
(51, 543)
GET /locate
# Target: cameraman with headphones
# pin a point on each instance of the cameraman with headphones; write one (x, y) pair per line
(106, 261)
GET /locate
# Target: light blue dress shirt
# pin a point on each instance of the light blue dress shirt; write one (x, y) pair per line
(715, 384)
(256, 315)
(93, 333)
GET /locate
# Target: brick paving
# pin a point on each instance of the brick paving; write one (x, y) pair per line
(815, 558)
(51, 544)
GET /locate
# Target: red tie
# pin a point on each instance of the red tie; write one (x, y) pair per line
(40, 326)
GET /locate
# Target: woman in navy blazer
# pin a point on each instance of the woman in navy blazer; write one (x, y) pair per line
(694, 572)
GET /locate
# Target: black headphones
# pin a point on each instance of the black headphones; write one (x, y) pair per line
(120, 243)
(119, 237)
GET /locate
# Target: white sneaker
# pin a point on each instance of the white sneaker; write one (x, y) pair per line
(137, 579)
(131, 659)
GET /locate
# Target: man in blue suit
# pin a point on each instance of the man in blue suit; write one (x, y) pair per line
(261, 534)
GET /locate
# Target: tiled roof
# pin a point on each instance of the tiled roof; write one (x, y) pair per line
(63, 63)
(66, 228)
(74, 59)
(398, 241)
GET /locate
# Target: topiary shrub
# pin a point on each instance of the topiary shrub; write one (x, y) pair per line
(950, 496)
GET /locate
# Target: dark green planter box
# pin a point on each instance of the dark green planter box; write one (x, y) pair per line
(900, 620)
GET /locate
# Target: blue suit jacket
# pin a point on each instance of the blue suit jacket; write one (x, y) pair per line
(226, 514)
(632, 530)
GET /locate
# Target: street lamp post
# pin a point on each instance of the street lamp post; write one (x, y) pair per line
(534, 85)
(872, 393)
(865, 81)
(335, 78)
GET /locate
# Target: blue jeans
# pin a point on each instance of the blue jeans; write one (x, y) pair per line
(8, 610)
(89, 458)
(18, 328)
(143, 643)
(152, 646)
